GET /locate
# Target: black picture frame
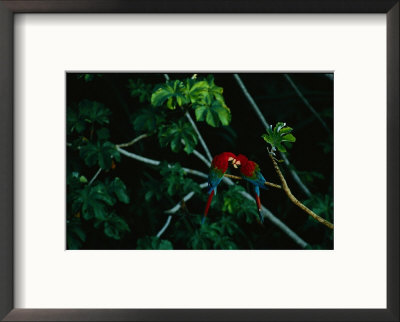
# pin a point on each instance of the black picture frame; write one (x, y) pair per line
(8, 8)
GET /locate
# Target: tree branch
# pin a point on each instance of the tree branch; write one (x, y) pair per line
(306, 102)
(164, 227)
(294, 199)
(176, 208)
(135, 140)
(274, 185)
(156, 163)
(202, 142)
(94, 177)
(266, 213)
(185, 199)
(271, 217)
(265, 124)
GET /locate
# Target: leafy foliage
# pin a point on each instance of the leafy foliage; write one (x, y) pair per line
(171, 92)
(202, 94)
(94, 203)
(151, 242)
(99, 153)
(88, 77)
(139, 89)
(87, 112)
(279, 135)
(174, 180)
(125, 206)
(148, 119)
(234, 203)
(178, 135)
(76, 236)
(115, 227)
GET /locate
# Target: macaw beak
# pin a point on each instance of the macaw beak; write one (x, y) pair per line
(235, 163)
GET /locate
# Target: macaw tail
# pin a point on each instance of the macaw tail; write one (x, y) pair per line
(259, 207)
(207, 206)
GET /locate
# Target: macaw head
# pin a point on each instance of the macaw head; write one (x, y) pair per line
(240, 160)
(224, 159)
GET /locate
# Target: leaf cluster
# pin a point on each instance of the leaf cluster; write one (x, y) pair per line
(202, 95)
(138, 88)
(278, 135)
(86, 113)
(95, 203)
(178, 135)
(152, 242)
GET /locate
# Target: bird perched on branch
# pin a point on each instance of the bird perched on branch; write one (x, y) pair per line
(219, 165)
(250, 171)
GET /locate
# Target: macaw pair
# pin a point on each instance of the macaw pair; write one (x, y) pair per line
(249, 171)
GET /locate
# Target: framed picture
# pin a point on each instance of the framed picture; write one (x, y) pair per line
(118, 127)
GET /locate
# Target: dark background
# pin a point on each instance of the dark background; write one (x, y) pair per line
(311, 154)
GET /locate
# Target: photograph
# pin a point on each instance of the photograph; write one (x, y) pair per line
(199, 161)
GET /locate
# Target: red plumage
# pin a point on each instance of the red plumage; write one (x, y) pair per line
(220, 161)
(258, 202)
(250, 171)
(219, 165)
(248, 168)
(208, 204)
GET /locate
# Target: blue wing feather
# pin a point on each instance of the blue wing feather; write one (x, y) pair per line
(214, 178)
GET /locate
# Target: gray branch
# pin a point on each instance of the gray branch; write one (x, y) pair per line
(306, 102)
(94, 177)
(176, 208)
(156, 162)
(265, 124)
(265, 212)
(185, 199)
(202, 158)
(269, 215)
(202, 142)
(137, 139)
(165, 226)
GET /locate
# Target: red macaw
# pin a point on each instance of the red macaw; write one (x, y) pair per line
(250, 171)
(219, 165)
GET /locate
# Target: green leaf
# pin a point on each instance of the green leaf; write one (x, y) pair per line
(89, 153)
(151, 242)
(201, 112)
(277, 136)
(88, 77)
(92, 201)
(172, 92)
(101, 193)
(234, 203)
(103, 134)
(178, 135)
(215, 91)
(139, 89)
(215, 114)
(174, 181)
(288, 138)
(76, 236)
(115, 227)
(74, 122)
(148, 119)
(119, 189)
(93, 112)
(195, 90)
(99, 153)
